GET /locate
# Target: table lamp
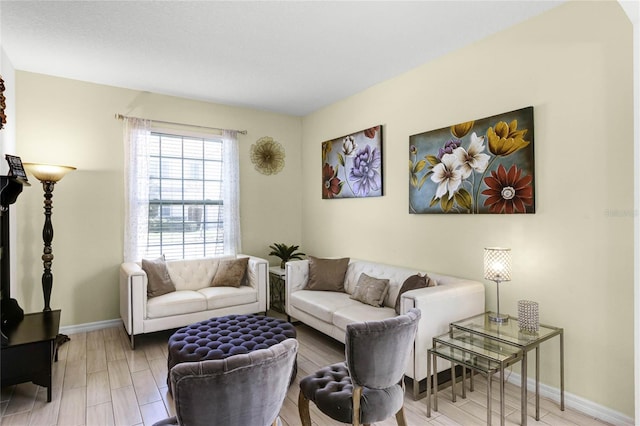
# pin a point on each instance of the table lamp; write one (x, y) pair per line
(497, 267)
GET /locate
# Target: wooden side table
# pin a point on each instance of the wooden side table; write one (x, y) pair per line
(29, 354)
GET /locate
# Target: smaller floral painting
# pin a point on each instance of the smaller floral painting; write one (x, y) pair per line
(481, 166)
(352, 165)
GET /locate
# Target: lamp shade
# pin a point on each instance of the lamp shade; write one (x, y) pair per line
(47, 172)
(497, 264)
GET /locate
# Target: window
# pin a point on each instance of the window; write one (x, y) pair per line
(182, 193)
(185, 196)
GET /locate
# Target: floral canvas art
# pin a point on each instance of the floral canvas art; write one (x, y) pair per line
(480, 166)
(352, 165)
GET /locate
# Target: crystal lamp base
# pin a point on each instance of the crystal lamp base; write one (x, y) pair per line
(499, 318)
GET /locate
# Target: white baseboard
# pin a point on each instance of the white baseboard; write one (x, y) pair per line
(574, 402)
(90, 326)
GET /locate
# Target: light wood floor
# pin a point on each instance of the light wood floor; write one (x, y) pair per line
(98, 381)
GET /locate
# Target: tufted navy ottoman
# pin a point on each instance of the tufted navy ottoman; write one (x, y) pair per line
(222, 337)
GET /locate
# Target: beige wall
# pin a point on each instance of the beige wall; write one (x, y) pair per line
(575, 254)
(68, 122)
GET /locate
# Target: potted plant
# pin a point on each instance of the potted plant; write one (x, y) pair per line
(285, 252)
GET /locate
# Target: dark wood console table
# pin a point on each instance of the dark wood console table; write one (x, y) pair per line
(29, 354)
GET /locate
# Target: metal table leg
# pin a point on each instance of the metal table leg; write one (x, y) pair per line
(538, 383)
(435, 383)
(501, 395)
(471, 381)
(489, 398)
(429, 381)
(562, 370)
(523, 390)
(464, 380)
(453, 381)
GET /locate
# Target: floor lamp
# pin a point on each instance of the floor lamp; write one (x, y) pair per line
(497, 267)
(47, 174)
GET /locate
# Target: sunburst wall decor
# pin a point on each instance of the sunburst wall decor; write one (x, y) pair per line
(267, 156)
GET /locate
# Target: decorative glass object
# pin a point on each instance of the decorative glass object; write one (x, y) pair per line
(528, 317)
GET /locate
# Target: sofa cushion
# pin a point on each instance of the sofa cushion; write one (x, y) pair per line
(158, 279)
(230, 273)
(193, 274)
(360, 313)
(321, 304)
(222, 297)
(395, 274)
(327, 274)
(370, 290)
(176, 303)
(414, 282)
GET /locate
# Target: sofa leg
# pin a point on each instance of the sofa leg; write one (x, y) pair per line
(131, 341)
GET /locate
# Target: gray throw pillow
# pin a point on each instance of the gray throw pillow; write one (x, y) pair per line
(412, 283)
(230, 273)
(371, 291)
(327, 274)
(158, 279)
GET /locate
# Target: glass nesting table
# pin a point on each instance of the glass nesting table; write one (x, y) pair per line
(486, 347)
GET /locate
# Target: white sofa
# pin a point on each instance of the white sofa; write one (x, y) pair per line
(329, 311)
(194, 299)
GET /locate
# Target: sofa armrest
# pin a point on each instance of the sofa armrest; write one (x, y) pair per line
(258, 278)
(440, 306)
(296, 275)
(133, 296)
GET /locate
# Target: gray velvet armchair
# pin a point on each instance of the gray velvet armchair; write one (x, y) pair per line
(240, 390)
(369, 386)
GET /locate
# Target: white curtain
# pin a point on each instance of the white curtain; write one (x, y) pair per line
(231, 193)
(136, 184)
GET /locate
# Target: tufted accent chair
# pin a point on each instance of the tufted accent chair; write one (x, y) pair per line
(368, 387)
(241, 390)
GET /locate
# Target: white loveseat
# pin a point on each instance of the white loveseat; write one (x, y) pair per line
(330, 311)
(194, 299)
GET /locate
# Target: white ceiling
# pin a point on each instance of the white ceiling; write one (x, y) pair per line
(291, 57)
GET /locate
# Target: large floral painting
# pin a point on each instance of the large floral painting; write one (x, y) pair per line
(481, 166)
(352, 165)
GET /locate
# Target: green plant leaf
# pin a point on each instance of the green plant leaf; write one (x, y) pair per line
(285, 252)
(423, 180)
(432, 159)
(420, 165)
(463, 198)
(446, 204)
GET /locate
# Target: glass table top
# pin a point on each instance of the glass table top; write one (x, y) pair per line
(508, 332)
(479, 346)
